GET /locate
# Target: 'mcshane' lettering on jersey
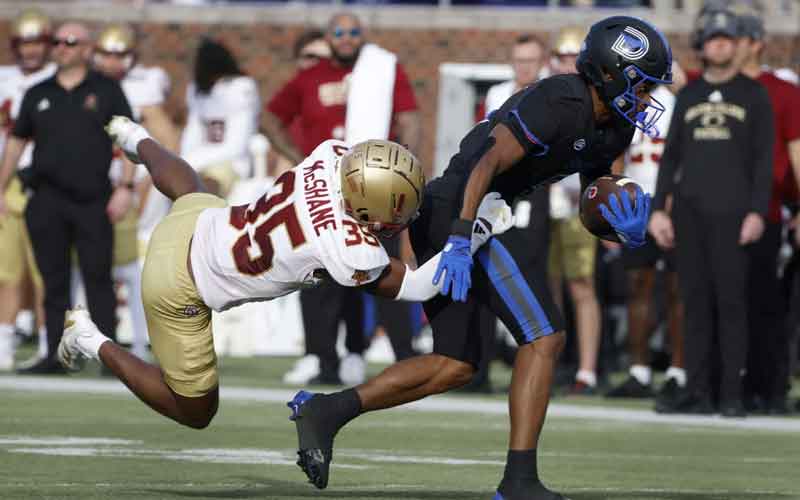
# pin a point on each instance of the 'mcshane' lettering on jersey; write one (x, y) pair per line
(318, 197)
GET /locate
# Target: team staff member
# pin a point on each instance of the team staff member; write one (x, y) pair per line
(74, 202)
(767, 367)
(318, 96)
(717, 164)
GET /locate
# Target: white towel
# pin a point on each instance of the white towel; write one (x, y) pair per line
(370, 96)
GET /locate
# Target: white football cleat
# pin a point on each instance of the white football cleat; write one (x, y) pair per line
(127, 134)
(303, 370)
(353, 370)
(81, 340)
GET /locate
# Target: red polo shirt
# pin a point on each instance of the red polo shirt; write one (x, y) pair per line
(317, 96)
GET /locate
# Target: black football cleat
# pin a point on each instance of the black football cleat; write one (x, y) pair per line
(525, 490)
(631, 388)
(315, 448)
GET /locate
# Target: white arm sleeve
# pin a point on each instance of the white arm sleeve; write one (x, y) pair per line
(418, 284)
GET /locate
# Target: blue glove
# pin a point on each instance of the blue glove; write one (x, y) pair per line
(456, 264)
(629, 223)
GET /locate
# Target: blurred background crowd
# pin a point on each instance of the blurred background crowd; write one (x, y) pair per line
(707, 311)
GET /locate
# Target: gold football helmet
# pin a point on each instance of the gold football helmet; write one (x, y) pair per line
(116, 39)
(569, 40)
(30, 25)
(382, 185)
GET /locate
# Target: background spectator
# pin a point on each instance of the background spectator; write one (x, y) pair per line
(334, 99)
(767, 379)
(361, 93)
(721, 132)
(642, 266)
(309, 48)
(528, 60)
(572, 248)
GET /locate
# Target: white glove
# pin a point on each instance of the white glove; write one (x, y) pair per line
(127, 134)
(494, 217)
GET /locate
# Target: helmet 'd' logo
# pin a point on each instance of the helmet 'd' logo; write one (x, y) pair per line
(631, 44)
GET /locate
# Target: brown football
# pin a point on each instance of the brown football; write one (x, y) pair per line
(597, 193)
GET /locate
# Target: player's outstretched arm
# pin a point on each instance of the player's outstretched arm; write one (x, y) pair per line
(400, 282)
(171, 174)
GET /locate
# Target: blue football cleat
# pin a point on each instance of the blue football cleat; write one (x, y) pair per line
(315, 447)
(498, 496)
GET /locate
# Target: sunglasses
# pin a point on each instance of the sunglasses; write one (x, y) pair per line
(69, 41)
(353, 32)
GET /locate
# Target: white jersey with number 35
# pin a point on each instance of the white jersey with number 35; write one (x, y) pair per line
(281, 242)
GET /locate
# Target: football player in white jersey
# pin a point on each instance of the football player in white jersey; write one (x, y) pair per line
(318, 221)
(30, 42)
(145, 88)
(224, 108)
(641, 267)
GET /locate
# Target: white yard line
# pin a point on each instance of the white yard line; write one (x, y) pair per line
(436, 404)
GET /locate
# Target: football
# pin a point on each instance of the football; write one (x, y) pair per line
(597, 193)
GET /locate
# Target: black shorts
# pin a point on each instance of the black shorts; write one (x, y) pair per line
(505, 277)
(648, 256)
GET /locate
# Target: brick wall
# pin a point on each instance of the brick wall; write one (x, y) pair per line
(265, 53)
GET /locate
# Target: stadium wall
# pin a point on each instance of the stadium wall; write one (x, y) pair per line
(423, 37)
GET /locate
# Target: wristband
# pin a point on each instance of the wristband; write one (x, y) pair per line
(462, 227)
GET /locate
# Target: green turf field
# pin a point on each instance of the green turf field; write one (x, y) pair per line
(98, 442)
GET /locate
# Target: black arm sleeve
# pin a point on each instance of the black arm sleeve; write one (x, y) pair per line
(119, 103)
(23, 126)
(534, 119)
(763, 141)
(670, 158)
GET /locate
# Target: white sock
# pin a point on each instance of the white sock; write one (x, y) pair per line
(679, 374)
(131, 275)
(641, 373)
(7, 337)
(587, 377)
(25, 321)
(42, 351)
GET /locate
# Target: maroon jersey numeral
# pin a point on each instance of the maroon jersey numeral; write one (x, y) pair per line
(358, 234)
(286, 216)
